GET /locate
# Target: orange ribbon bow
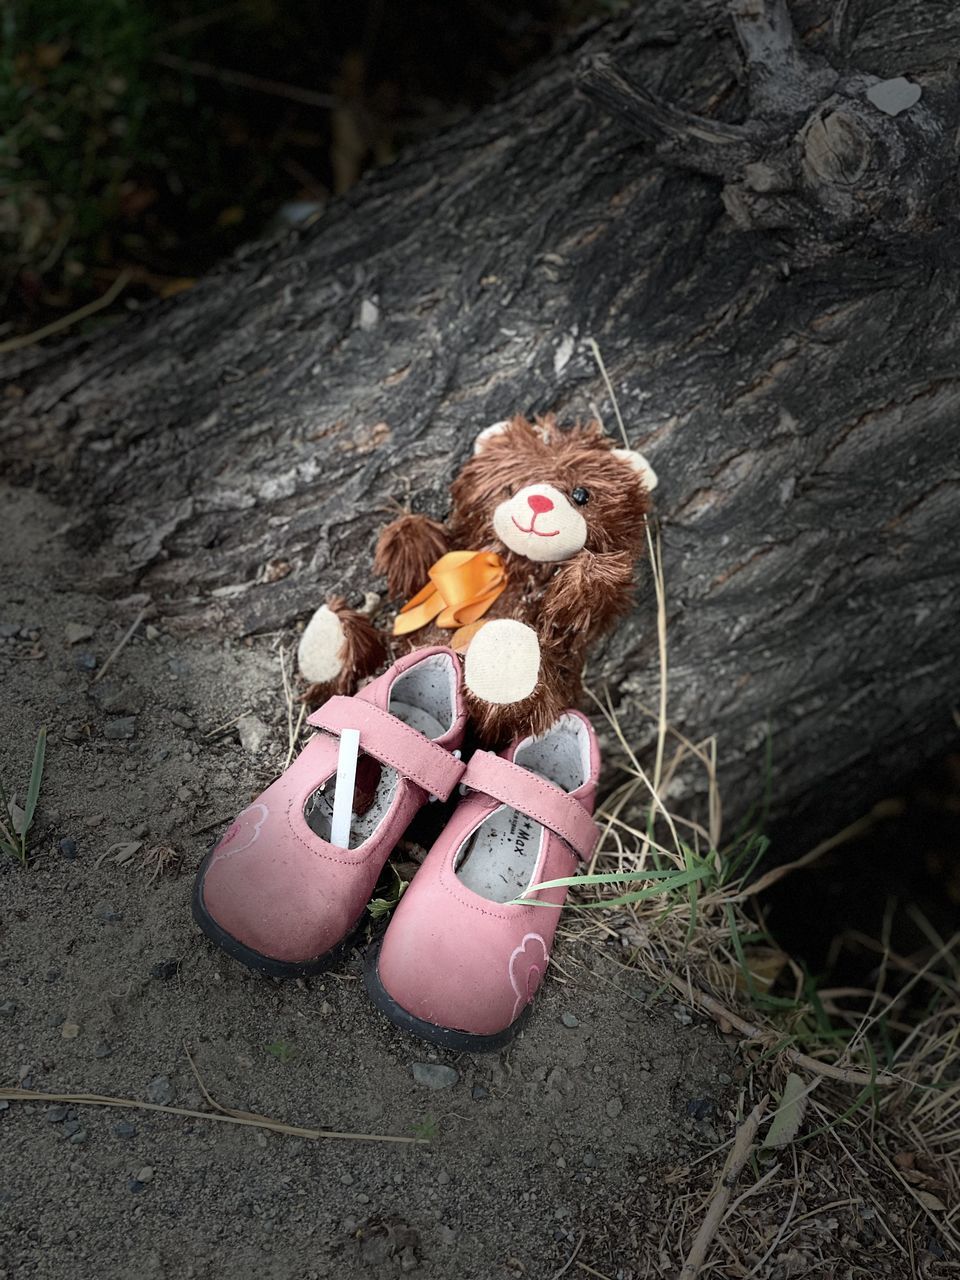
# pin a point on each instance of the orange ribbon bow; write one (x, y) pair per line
(462, 587)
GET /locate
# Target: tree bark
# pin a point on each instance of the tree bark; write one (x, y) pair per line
(773, 284)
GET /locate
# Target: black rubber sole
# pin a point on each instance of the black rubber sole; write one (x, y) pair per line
(253, 959)
(445, 1037)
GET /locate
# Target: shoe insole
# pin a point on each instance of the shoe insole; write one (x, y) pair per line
(418, 718)
(372, 794)
(499, 859)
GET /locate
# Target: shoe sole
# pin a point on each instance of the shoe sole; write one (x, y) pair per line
(255, 960)
(445, 1037)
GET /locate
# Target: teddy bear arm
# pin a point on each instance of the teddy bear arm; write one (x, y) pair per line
(406, 549)
(339, 648)
(589, 592)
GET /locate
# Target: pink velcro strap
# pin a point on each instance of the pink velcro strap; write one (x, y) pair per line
(536, 797)
(392, 742)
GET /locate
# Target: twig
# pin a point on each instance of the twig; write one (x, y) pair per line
(591, 1271)
(223, 1115)
(243, 80)
(186, 26)
(296, 735)
(228, 724)
(592, 344)
(738, 1157)
(293, 732)
(722, 1014)
(121, 644)
(65, 322)
(571, 1260)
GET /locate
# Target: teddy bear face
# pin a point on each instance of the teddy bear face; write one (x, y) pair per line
(547, 493)
(541, 523)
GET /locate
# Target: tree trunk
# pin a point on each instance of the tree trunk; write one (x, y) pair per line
(772, 288)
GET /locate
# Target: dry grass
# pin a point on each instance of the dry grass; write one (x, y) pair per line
(871, 1184)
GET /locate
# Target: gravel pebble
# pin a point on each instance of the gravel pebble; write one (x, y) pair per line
(613, 1108)
(160, 1091)
(253, 733)
(700, 1108)
(434, 1075)
(124, 1129)
(8, 1009)
(85, 662)
(70, 1030)
(182, 720)
(74, 632)
(106, 913)
(67, 847)
(55, 1115)
(165, 970)
(122, 727)
(569, 1019)
(134, 1187)
(102, 1050)
(145, 1174)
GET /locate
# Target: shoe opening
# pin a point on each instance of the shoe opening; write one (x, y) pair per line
(500, 860)
(424, 696)
(561, 755)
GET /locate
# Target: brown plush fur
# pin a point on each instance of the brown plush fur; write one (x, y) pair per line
(406, 549)
(365, 649)
(569, 604)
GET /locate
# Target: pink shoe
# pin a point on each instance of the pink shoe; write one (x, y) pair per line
(460, 961)
(274, 893)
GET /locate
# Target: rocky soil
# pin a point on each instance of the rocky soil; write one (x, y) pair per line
(105, 984)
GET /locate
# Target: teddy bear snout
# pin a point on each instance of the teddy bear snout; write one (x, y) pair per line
(539, 503)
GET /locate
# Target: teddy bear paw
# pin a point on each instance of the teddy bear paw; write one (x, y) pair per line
(319, 654)
(503, 662)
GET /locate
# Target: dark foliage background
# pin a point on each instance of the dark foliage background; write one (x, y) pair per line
(151, 137)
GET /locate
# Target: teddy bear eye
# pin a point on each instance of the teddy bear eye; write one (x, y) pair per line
(580, 496)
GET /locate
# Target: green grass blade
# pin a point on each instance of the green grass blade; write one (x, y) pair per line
(671, 878)
(10, 843)
(665, 883)
(33, 790)
(739, 952)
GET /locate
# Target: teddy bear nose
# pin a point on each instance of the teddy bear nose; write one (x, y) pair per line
(539, 504)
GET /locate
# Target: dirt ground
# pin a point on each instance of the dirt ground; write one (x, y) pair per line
(559, 1144)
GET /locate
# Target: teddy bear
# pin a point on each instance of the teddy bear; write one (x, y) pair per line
(535, 561)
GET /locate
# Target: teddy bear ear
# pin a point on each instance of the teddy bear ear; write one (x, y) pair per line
(641, 466)
(488, 433)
